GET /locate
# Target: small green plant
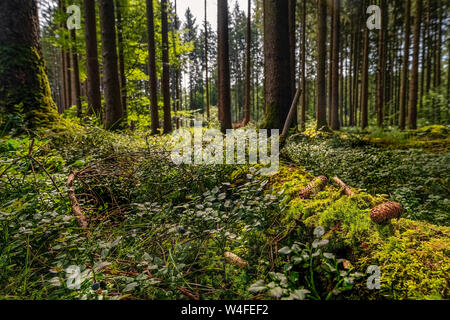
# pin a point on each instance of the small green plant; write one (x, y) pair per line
(310, 265)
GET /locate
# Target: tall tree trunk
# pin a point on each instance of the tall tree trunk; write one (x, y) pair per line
(224, 94)
(292, 5)
(76, 73)
(303, 72)
(123, 77)
(278, 96)
(404, 84)
(63, 82)
(248, 66)
(365, 82)
(64, 103)
(335, 125)
(412, 116)
(177, 70)
(330, 61)
(321, 103)
(23, 80)
(114, 114)
(437, 70)
(208, 112)
(166, 67)
(381, 64)
(68, 73)
(93, 74)
(152, 68)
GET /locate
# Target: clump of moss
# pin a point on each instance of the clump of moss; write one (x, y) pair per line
(414, 261)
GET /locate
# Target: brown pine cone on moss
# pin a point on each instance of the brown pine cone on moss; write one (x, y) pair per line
(386, 211)
(317, 185)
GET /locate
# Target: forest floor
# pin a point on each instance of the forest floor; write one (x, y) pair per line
(160, 231)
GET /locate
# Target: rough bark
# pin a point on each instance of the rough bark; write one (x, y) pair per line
(277, 66)
(152, 68)
(93, 74)
(335, 125)
(412, 116)
(224, 94)
(248, 66)
(76, 74)
(381, 63)
(208, 112)
(166, 67)
(24, 86)
(114, 114)
(365, 82)
(321, 103)
(303, 72)
(404, 84)
(123, 78)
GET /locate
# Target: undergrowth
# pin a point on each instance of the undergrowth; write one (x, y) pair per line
(160, 231)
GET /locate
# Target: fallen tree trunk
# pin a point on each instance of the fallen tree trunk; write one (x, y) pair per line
(76, 209)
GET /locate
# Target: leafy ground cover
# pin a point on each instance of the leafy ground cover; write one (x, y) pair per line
(159, 231)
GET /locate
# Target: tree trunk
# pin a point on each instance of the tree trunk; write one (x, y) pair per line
(114, 114)
(76, 74)
(208, 112)
(365, 82)
(166, 67)
(24, 85)
(224, 94)
(381, 63)
(93, 74)
(152, 68)
(248, 66)
(278, 96)
(335, 125)
(177, 72)
(292, 4)
(123, 78)
(321, 103)
(404, 84)
(303, 72)
(412, 117)
(437, 72)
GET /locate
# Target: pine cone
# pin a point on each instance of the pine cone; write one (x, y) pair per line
(386, 211)
(235, 260)
(317, 185)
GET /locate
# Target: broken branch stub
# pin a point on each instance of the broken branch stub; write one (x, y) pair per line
(312, 189)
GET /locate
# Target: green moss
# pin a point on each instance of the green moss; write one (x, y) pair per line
(414, 261)
(272, 117)
(414, 257)
(26, 88)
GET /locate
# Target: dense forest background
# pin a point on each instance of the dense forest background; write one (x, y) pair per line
(374, 68)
